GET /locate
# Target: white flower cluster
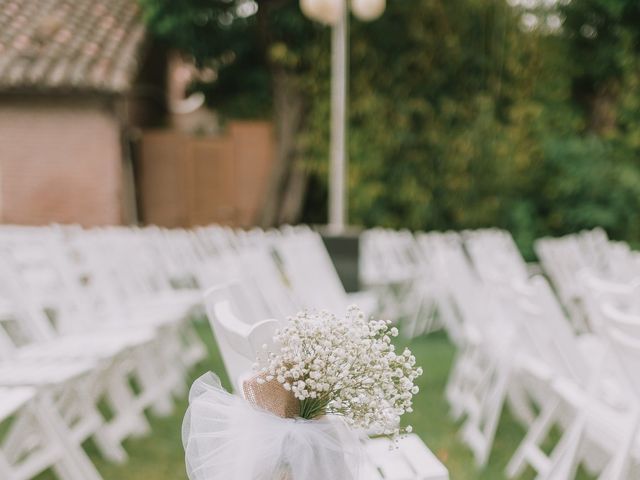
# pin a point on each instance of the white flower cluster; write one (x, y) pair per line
(345, 366)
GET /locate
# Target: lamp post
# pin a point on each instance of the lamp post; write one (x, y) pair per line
(336, 14)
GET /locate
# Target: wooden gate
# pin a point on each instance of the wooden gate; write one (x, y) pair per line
(186, 180)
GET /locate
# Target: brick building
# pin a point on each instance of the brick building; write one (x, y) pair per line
(77, 79)
(87, 133)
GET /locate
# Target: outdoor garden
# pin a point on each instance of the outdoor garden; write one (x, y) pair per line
(490, 156)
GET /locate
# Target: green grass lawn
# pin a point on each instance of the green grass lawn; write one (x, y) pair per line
(159, 456)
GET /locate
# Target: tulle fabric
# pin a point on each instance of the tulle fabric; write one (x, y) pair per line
(225, 438)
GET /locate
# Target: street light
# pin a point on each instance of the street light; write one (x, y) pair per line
(336, 14)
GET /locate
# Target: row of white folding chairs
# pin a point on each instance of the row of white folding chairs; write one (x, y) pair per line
(266, 274)
(107, 289)
(395, 267)
(568, 370)
(600, 281)
(280, 271)
(542, 335)
(565, 258)
(515, 344)
(94, 339)
(293, 257)
(477, 325)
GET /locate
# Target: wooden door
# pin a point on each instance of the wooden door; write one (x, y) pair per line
(187, 180)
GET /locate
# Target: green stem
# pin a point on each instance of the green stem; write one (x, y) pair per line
(313, 407)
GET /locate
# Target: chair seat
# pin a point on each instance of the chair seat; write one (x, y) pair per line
(102, 344)
(592, 347)
(177, 302)
(409, 459)
(366, 300)
(154, 311)
(605, 423)
(6, 308)
(12, 399)
(21, 373)
(157, 314)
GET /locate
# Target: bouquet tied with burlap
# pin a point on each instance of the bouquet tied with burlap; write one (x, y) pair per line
(323, 379)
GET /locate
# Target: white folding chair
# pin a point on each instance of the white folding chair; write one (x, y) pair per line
(241, 345)
(311, 272)
(116, 356)
(580, 396)
(37, 440)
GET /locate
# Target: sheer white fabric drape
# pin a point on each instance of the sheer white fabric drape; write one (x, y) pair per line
(226, 438)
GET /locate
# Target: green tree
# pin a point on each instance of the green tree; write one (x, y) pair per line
(603, 41)
(459, 116)
(261, 52)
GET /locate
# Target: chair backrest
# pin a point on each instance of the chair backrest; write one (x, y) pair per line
(495, 255)
(261, 268)
(464, 285)
(561, 260)
(623, 334)
(225, 268)
(29, 305)
(240, 343)
(309, 269)
(436, 247)
(598, 292)
(546, 324)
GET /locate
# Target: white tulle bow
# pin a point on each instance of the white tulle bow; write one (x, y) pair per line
(226, 438)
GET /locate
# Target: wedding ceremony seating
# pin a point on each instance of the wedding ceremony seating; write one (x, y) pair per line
(105, 315)
(43, 441)
(562, 358)
(240, 343)
(68, 334)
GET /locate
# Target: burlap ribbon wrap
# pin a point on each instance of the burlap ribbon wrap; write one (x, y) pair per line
(271, 396)
(261, 438)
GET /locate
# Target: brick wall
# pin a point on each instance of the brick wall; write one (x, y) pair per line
(60, 161)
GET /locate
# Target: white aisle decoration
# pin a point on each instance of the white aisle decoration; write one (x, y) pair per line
(323, 380)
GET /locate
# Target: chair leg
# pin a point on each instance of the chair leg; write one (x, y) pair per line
(485, 408)
(565, 456)
(618, 467)
(156, 386)
(74, 463)
(110, 448)
(462, 379)
(129, 418)
(453, 387)
(6, 471)
(519, 403)
(11, 447)
(528, 452)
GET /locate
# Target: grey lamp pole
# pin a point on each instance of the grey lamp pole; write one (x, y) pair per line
(338, 205)
(336, 13)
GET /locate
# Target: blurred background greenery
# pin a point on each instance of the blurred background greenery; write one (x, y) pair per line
(463, 113)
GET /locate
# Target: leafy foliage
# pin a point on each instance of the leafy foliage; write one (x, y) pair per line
(463, 120)
(459, 117)
(241, 45)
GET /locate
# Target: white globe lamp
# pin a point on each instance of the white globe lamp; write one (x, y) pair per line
(368, 10)
(328, 12)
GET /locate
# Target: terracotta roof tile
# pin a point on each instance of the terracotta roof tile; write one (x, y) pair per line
(92, 45)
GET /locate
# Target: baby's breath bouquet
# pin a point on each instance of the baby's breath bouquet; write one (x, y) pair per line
(344, 366)
(320, 370)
